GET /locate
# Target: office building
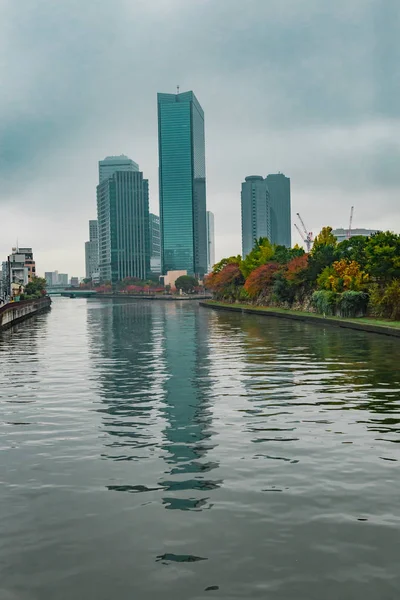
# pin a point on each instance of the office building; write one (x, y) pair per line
(63, 279)
(112, 164)
(51, 278)
(21, 269)
(281, 220)
(123, 226)
(256, 212)
(155, 244)
(75, 281)
(210, 241)
(92, 251)
(182, 174)
(93, 230)
(343, 234)
(266, 210)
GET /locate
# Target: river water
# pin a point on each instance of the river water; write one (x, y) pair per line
(156, 450)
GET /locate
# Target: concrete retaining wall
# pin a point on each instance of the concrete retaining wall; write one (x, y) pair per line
(311, 318)
(19, 311)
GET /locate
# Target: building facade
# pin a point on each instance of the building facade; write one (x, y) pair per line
(123, 226)
(210, 241)
(111, 164)
(256, 212)
(155, 245)
(266, 211)
(343, 234)
(92, 251)
(281, 220)
(182, 174)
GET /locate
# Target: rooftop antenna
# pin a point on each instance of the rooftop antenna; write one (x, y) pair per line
(177, 89)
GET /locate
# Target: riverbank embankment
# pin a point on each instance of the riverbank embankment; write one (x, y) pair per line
(15, 312)
(361, 324)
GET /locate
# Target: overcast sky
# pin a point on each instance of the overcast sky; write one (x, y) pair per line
(310, 88)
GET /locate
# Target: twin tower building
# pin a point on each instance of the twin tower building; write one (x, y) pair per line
(127, 234)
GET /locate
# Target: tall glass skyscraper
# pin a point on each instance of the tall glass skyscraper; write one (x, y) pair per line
(123, 226)
(256, 212)
(266, 210)
(182, 173)
(279, 194)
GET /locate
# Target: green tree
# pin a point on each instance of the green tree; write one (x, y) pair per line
(35, 288)
(186, 283)
(324, 238)
(323, 253)
(260, 255)
(232, 260)
(353, 249)
(383, 256)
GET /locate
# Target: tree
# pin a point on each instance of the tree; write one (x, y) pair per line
(261, 254)
(353, 249)
(36, 287)
(186, 283)
(342, 276)
(232, 260)
(324, 238)
(227, 282)
(383, 256)
(261, 279)
(323, 253)
(296, 269)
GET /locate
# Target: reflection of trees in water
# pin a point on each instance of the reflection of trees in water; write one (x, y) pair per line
(151, 364)
(339, 368)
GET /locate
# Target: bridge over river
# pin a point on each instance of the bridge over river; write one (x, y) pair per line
(70, 292)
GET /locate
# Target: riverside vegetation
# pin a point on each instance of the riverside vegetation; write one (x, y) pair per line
(355, 278)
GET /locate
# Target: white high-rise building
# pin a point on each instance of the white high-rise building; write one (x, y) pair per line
(92, 251)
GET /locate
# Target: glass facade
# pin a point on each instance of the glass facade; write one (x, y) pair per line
(123, 226)
(182, 183)
(281, 221)
(256, 212)
(210, 241)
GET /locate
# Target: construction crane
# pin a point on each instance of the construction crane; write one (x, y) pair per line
(351, 223)
(308, 240)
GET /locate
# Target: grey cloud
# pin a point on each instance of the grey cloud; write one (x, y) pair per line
(309, 88)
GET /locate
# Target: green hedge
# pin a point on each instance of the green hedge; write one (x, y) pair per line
(348, 304)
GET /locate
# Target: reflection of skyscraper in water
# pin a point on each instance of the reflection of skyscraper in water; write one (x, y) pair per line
(150, 360)
(187, 437)
(124, 349)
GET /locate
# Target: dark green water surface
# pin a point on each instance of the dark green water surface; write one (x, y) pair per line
(166, 451)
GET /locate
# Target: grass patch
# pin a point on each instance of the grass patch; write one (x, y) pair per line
(284, 311)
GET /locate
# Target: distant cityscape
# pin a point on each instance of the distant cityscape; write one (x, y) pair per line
(127, 241)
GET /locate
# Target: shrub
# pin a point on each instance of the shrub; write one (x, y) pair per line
(390, 302)
(352, 304)
(283, 290)
(324, 302)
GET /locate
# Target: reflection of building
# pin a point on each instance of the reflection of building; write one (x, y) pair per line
(123, 224)
(266, 210)
(92, 251)
(343, 234)
(150, 362)
(182, 173)
(210, 241)
(155, 244)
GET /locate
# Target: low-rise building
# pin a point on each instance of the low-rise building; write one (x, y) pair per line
(343, 234)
